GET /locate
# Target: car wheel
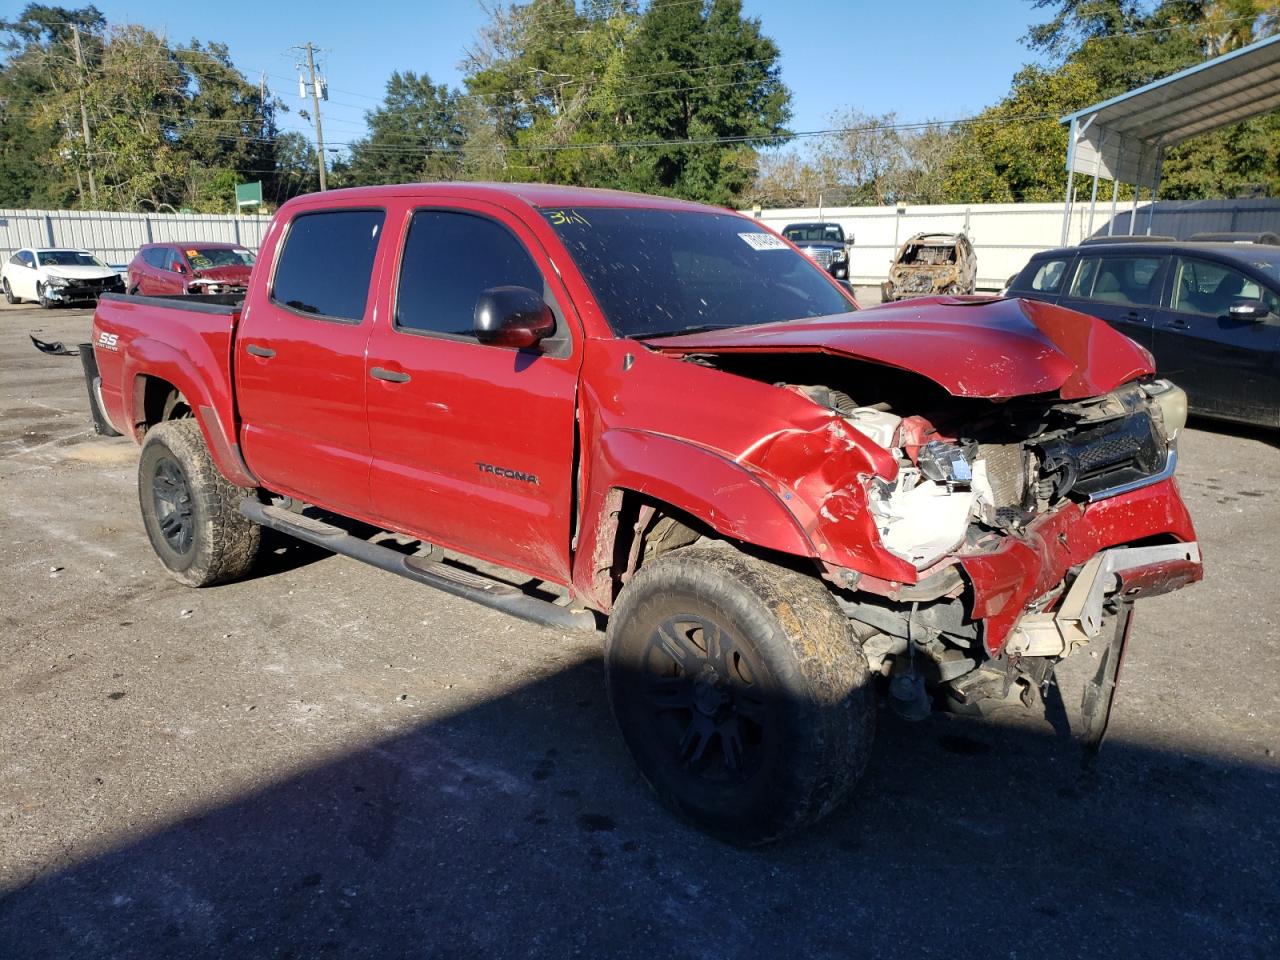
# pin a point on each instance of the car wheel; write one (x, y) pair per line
(8, 293)
(740, 692)
(191, 512)
(45, 302)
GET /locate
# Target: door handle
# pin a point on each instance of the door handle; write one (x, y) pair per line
(394, 376)
(258, 351)
(1177, 323)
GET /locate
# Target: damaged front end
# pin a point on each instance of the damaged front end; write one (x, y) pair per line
(1018, 526)
(990, 489)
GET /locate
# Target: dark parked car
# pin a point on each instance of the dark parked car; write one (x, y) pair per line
(166, 269)
(824, 243)
(1209, 312)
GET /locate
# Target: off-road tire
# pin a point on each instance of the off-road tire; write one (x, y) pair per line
(8, 294)
(798, 685)
(223, 543)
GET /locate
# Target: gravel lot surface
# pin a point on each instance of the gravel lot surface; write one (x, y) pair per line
(328, 761)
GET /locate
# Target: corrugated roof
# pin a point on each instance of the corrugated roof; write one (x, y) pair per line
(1123, 138)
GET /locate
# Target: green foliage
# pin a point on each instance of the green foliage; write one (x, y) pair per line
(171, 126)
(567, 95)
(415, 135)
(1014, 151)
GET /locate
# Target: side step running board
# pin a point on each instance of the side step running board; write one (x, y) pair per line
(459, 583)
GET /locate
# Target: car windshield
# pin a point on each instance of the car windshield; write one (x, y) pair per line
(810, 232)
(68, 258)
(202, 258)
(657, 272)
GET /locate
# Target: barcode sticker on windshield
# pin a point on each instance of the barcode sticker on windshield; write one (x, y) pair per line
(763, 241)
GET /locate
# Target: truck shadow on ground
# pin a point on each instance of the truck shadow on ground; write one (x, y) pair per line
(518, 827)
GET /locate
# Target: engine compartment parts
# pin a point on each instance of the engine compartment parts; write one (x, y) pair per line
(932, 264)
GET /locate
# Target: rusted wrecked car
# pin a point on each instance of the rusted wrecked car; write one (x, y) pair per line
(930, 264)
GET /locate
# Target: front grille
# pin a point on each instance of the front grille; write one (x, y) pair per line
(821, 256)
(1118, 452)
(95, 283)
(918, 283)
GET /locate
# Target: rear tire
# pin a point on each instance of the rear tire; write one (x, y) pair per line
(8, 293)
(740, 692)
(190, 510)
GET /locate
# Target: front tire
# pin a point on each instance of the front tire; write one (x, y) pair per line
(45, 302)
(740, 692)
(190, 511)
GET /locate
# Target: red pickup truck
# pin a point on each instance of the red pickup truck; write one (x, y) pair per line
(665, 415)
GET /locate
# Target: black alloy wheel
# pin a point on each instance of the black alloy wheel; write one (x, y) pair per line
(171, 496)
(704, 699)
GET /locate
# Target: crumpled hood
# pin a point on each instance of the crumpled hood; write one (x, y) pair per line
(226, 274)
(79, 272)
(970, 347)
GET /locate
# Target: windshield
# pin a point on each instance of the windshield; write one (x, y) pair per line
(68, 258)
(810, 232)
(655, 272)
(202, 258)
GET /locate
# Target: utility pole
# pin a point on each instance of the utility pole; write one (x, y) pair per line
(84, 116)
(315, 103)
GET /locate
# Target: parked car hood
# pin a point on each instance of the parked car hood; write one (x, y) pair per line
(75, 272)
(819, 244)
(971, 347)
(229, 274)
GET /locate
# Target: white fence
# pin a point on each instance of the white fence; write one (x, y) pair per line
(1004, 234)
(116, 237)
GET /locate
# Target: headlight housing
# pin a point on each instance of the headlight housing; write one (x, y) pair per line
(56, 282)
(1172, 402)
(839, 256)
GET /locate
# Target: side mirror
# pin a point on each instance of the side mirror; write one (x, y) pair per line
(512, 317)
(1249, 310)
(179, 267)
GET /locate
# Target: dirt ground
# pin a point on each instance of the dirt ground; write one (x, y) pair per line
(328, 761)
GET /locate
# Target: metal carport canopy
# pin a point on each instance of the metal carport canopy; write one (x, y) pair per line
(1123, 139)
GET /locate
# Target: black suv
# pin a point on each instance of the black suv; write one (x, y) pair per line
(824, 243)
(1209, 312)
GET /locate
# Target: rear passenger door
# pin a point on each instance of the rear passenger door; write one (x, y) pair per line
(300, 369)
(473, 445)
(1122, 289)
(1229, 367)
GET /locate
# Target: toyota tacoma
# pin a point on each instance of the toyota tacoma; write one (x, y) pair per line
(662, 417)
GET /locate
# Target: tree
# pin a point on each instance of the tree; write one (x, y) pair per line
(40, 152)
(607, 95)
(1121, 45)
(416, 134)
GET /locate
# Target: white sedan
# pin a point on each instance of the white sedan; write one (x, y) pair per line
(52, 276)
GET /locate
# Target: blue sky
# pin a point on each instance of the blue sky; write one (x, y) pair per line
(941, 60)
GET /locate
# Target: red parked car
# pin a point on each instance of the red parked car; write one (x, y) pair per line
(169, 269)
(665, 415)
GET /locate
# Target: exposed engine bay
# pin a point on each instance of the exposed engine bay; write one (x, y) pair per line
(971, 468)
(972, 472)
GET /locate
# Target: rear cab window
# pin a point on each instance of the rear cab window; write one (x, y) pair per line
(325, 265)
